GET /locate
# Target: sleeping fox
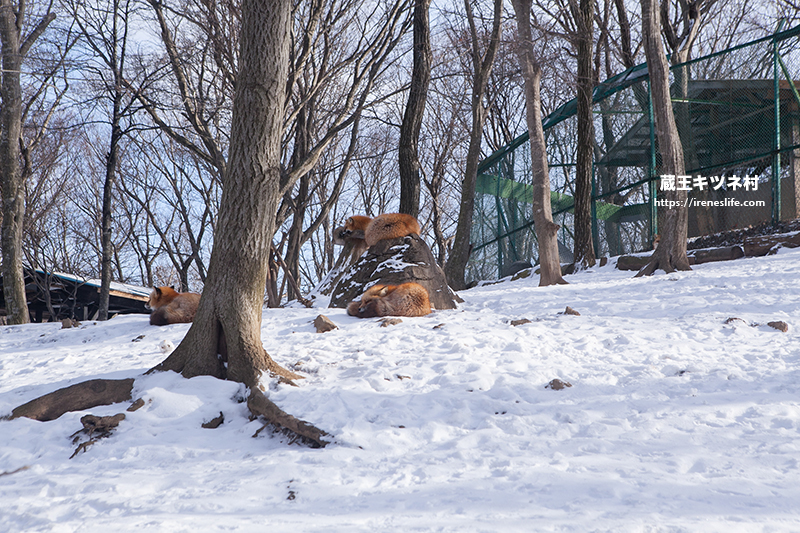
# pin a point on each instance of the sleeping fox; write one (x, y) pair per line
(171, 307)
(406, 299)
(390, 226)
(356, 225)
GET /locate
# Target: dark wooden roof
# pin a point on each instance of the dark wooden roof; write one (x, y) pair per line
(55, 296)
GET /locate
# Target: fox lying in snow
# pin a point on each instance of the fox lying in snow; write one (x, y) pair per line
(171, 307)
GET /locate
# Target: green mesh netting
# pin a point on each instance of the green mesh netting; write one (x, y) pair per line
(742, 152)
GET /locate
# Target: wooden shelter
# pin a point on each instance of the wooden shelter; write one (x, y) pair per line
(54, 296)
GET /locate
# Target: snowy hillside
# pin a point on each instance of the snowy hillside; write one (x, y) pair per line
(675, 421)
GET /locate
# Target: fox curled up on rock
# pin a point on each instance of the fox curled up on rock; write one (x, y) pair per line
(390, 226)
(373, 230)
(406, 299)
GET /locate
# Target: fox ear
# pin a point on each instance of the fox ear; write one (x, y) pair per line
(384, 291)
(349, 220)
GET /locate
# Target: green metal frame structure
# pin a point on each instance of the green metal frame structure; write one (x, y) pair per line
(738, 114)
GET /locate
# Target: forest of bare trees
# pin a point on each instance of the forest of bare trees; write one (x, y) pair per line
(117, 117)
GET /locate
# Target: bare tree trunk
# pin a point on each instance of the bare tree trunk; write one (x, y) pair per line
(482, 67)
(108, 186)
(584, 245)
(546, 229)
(671, 252)
(14, 50)
(415, 109)
(302, 141)
(227, 327)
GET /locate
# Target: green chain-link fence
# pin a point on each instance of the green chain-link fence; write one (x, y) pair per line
(738, 114)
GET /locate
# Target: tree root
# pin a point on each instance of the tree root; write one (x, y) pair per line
(78, 397)
(260, 405)
(88, 394)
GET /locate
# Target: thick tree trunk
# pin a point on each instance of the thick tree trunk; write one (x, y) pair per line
(225, 338)
(671, 252)
(584, 245)
(408, 152)
(546, 229)
(14, 49)
(482, 66)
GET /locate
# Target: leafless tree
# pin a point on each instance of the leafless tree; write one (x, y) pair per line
(671, 252)
(482, 62)
(17, 37)
(546, 229)
(583, 15)
(408, 153)
(337, 65)
(105, 29)
(230, 309)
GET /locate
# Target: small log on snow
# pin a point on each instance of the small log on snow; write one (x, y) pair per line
(769, 244)
(632, 262)
(709, 255)
(260, 405)
(78, 397)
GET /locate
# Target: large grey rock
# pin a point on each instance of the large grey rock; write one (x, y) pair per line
(391, 262)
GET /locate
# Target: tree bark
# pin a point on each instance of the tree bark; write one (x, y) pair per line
(299, 203)
(671, 252)
(14, 50)
(584, 255)
(482, 67)
(546, 229)
(108, 186)
(225, 338)
(408, 151)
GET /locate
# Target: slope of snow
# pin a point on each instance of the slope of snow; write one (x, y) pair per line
(675, 421)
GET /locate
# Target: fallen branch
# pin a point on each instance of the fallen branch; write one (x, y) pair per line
(96, 428)
(9, 472)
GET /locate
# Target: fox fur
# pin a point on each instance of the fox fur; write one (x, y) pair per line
(172, 307)
(390, 226)
(352, 232)
(355, 224)
(406, 299)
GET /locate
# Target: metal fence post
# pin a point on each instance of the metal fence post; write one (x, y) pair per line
(776, 157)
(652, 169)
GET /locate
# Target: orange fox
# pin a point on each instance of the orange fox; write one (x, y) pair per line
(352, 232)
(357, 223)
(406, 299)
(171, 307)
(390, 226)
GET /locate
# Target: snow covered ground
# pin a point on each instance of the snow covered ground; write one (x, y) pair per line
(675, 421)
